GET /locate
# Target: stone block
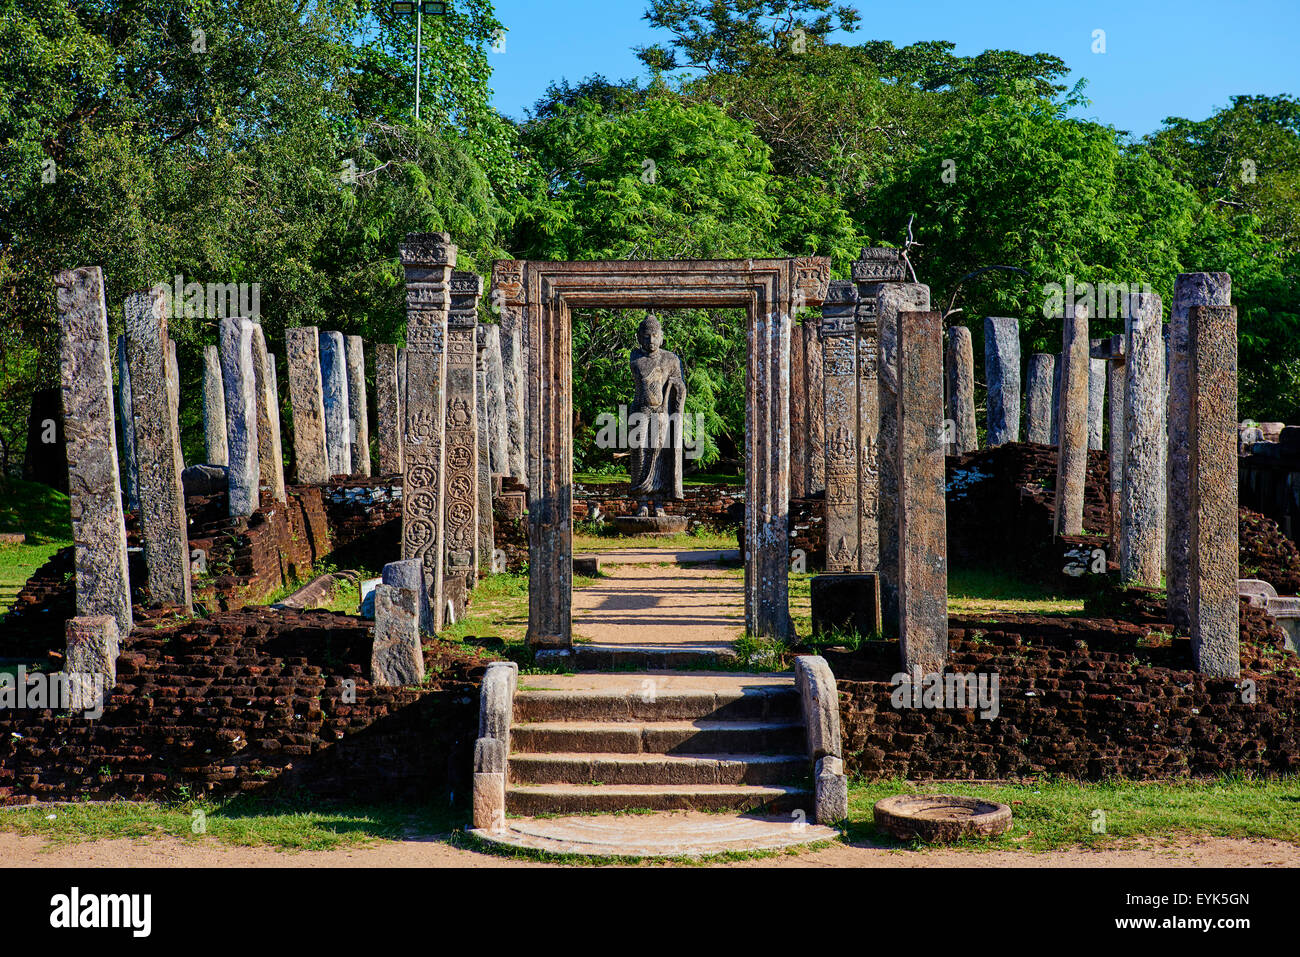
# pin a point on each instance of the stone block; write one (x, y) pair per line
(396, 657)
(821, 706)
(846, 602)
(831, 796)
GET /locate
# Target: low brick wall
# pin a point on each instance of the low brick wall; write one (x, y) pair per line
(250, 701)
(1085, 698)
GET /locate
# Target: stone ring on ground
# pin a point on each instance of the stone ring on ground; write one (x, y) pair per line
(941, 818)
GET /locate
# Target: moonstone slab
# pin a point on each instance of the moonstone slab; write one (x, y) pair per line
(358, 409)
(244, 472)
(86, 377)
(1039, 393)
(1002, 372)
(334, 393)
(163, 524)
(214, 409)
(302, 354)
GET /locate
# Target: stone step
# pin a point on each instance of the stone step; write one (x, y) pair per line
(591, 656)
(678, 769)
(658, 737)
(636, 703)
(586, 799)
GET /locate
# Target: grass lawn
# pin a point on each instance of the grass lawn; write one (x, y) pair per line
(1054, 815)
(692, 478)
(40, 513)
(1063, 814)
(602, 538)
(241, 822)
(978, 591)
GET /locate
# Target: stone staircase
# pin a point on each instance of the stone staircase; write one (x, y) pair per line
(646, 742)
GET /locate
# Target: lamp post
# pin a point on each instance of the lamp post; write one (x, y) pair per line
(434, 8)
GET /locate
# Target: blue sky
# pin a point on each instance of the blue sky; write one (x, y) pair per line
(1162, 58)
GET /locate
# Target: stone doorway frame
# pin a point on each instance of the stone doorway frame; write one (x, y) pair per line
(540, 296)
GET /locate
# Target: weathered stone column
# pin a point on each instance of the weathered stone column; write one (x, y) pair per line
(86, 377)
(1096, 401)
(1057, 366)
(174, 383)
(1039, 410)
(163, 524)
(922, 522)
(1002, 370)
(508, 302)
(798, 414)
(1072, 414)
(214, 409)
(396, 657)
(1115, 351)
(892, 301)
(498, 442)
(840, 403)
(244, 473)
(812, 352)
(486, 542)
(1142, 494)
(1212, 576)
(302, 354)
(91, 647)
(961, 391)
(334, 392)
(130, 467)
(1190, 289)
(358, 408)
(428, 260)
(388, 408)
(270, 455)
(460, 515)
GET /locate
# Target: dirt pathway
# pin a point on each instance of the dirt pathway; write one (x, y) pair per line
(698, 605)
(22, 851)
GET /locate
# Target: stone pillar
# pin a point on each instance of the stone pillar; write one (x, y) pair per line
(396, 656)
(460, 510)
(409, 573)
(498, 442)
(174, 383)
(130, 467)
(91, 647)
(334, 392)
(798, 414)
(1142, 492)
(486, 532)
(163, 525)
(358, 409)
(811, 330)
(1212, 575)
(1190, 289)
(86, 377)
(1057, 366)
(270, 455)
(244, 473)
(1118, 373)
(302, 354)
(214, 409)
(388, 409)
(840, 403)
(921, 512)
(1096, 401)
(513, 364)
(428, 260)
(961, 391)
(1072, 416)
(1039, 410)
(893, 300)
(1002, 370)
